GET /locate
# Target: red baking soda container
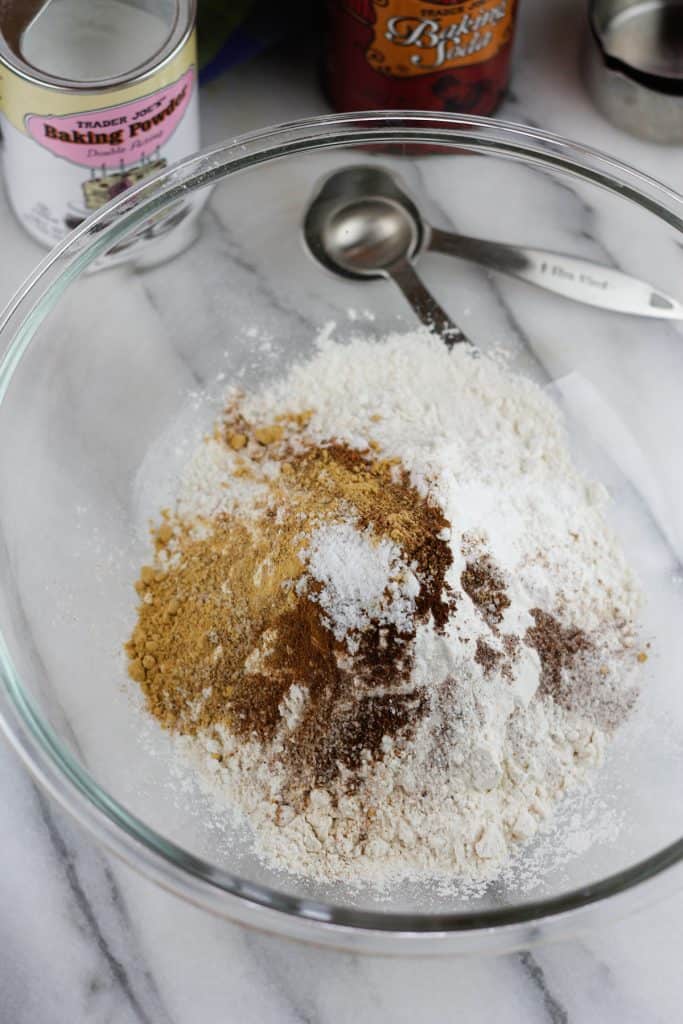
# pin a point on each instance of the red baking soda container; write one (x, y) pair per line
(449, 55)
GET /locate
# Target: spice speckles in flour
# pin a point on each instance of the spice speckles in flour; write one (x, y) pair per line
(386, 617)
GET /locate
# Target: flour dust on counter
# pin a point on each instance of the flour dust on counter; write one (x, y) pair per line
(386, 618)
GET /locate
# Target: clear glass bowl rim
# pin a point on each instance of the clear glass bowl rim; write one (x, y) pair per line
(150, 853)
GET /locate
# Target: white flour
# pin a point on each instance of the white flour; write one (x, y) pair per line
(496, 751)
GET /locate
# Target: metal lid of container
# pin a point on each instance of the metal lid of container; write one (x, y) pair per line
(643, 39)
(634, 65)
(17, 16)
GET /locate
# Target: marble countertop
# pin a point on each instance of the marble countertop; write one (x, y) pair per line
(84, 939)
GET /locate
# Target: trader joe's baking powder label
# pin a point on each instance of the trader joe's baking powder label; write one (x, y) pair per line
(68, 153)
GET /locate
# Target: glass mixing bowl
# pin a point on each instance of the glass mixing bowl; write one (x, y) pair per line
(100, 386)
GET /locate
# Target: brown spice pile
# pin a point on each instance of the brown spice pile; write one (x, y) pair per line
(572, 673)
(486, 656)
(484, 584)
(558, 648)
(224, 632)
(228, 623)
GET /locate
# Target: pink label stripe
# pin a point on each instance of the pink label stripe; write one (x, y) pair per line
(115, 136)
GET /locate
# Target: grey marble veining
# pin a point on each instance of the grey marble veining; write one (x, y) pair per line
(85, 939)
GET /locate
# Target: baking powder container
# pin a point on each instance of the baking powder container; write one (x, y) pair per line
(633, 65)
(96, 95)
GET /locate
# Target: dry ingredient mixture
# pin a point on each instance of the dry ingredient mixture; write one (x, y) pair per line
(387, 615)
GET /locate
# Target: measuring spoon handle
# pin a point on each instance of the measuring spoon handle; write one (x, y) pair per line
(427, 309)
(570, 276)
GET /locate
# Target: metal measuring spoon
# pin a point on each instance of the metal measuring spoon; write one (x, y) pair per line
(572, 277)
(365, 236)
